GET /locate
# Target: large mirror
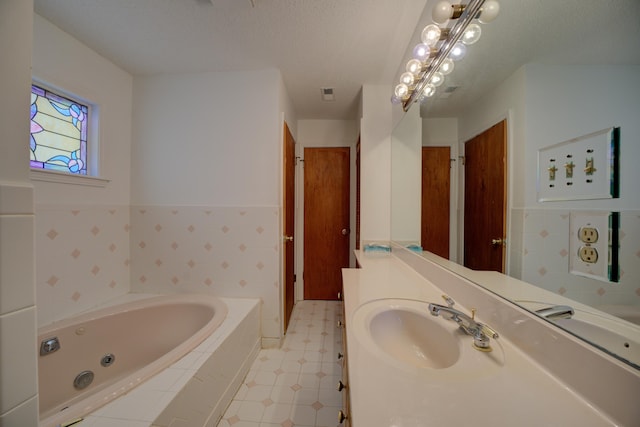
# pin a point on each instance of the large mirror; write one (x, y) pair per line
(550, 71)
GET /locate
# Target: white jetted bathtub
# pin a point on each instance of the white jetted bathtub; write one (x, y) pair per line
(94, 358)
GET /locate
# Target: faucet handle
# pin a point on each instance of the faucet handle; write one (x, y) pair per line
(450, 302)
(488, 331)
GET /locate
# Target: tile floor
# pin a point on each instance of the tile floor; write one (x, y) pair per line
(296, 384)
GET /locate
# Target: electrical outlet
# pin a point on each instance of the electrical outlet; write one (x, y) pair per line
(588, 254)
(593, 245)
(588, 234)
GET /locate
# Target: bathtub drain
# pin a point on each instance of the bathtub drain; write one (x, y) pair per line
(83, 379)
(107, 360)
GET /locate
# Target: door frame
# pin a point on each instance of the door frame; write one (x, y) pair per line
(288, 225)
(507, 117)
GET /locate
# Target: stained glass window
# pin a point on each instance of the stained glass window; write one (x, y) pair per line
(58, 132)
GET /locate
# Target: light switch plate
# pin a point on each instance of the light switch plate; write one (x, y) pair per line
(581, 168)
(593, 245)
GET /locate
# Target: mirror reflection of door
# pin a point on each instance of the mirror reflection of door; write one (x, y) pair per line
(436, 186)
(289, 162)
(485, 199)
(326, 221)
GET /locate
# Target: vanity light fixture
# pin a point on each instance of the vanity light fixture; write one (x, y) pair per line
(471, 34)
(458, 52)
(446, 67)
(440, 46)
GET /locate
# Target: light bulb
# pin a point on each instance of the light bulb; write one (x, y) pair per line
(407, 78)
(429, 90)
(489, 11)
(441, 12)
(471, 34)
(458, 51)
(421, 52)
(436, 79)
(414, 66)
(401, 90)
(395, 100)
(446, 67)
(431, 35)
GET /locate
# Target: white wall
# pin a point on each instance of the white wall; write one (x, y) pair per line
(564, 102)
(406, 179)
(18, 367)
(82, 235)
(322, 133)
(375, 174)
(65, 63)
(207, 186)
(219, 138)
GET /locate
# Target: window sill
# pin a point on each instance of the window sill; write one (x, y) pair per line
(64, 178)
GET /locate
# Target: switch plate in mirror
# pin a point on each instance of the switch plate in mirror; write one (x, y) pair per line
(585, 167)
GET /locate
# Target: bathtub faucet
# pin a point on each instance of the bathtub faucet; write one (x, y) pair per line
(480, 332)
(556, 312)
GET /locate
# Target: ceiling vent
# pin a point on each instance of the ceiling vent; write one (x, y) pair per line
(327, 94)
(448, 91)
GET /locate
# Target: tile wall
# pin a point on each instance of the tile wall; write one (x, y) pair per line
(86, 255)
(545, 257)
(225, 251)
(18, 379)
(82, 258)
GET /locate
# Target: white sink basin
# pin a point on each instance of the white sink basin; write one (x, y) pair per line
(406, 336)
(414, 337)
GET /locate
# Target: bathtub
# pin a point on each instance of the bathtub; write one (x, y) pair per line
(122, 346)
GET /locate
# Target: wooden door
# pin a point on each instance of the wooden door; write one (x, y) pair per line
(289, 162)
(436, 191)
(485, 201)
(326, 221)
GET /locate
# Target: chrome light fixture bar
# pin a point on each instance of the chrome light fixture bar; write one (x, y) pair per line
(465, 15)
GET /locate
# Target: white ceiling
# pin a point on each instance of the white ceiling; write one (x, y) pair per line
(315, 43)
(342, 43)
(577, 32)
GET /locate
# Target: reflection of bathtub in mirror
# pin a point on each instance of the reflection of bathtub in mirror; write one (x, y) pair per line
(600, 328)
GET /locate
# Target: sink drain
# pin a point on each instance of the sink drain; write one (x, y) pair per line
(107, 360)
(83, 379)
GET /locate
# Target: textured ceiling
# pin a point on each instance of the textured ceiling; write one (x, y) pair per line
(315, 43)
(577, 32)
(342, 43)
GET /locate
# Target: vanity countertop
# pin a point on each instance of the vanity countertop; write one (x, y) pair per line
(501, 388)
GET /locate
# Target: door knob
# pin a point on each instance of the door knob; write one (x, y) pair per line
(345, 231)
(496, 242)
(288, 238)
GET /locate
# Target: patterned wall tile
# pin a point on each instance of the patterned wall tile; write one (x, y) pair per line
(224, 251)
(82, 256)
(545, 259)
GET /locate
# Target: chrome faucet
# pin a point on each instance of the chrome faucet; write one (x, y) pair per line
(480, 332)
(556, 312)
